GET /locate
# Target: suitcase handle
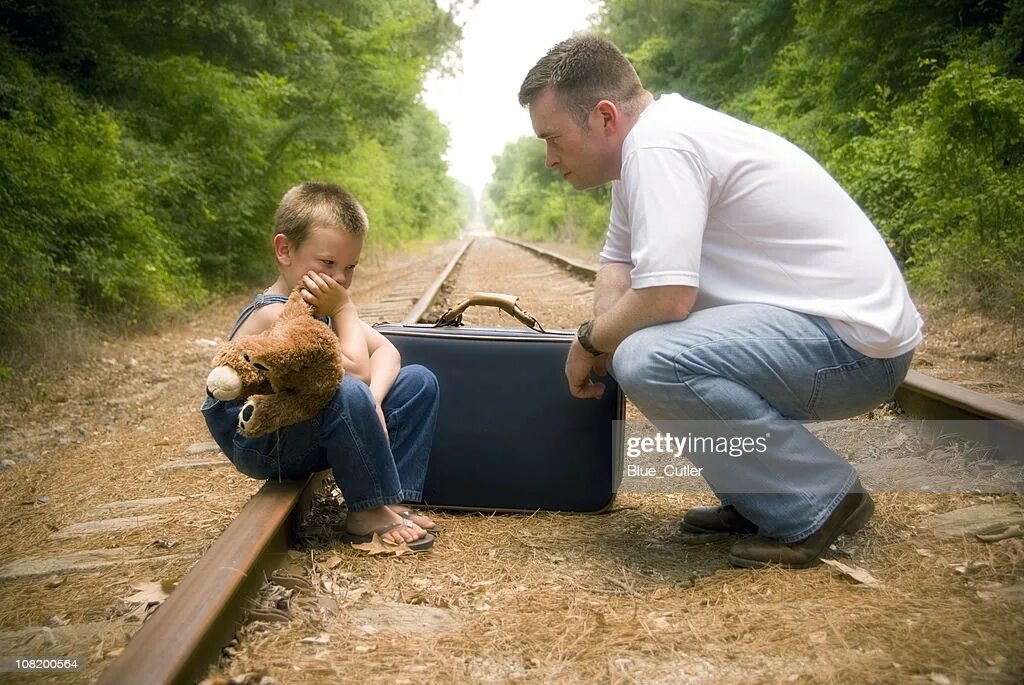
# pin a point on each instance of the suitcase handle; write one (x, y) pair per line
(506, 303)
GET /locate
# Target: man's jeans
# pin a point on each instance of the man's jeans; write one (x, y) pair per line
(347, 438)
(758, 363)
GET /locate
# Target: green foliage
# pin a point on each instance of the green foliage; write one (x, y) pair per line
(73, 210)
(533, 202)
(144, 145)
(917, 108)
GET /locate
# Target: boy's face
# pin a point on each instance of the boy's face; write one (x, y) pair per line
(331, 251)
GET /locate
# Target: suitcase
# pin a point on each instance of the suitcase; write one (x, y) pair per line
(509, 435)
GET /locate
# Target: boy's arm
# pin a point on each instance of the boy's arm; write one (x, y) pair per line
(385, 362)
(330, 297)
(355, 356)
(260, 320)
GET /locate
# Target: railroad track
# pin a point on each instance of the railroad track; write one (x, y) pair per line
(179, 642)
(186, 634)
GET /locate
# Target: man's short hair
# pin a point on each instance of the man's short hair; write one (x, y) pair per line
(318, 205)
(582, 71)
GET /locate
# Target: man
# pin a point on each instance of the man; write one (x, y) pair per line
(738, 283)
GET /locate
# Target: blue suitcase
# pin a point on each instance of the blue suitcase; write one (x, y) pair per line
(509, 435)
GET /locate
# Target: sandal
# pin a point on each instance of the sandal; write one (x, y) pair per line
(424, 543)
(409, 513)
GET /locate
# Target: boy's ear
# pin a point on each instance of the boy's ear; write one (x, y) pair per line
(282, 250)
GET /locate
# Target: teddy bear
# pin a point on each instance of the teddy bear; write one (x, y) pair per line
(288, 372)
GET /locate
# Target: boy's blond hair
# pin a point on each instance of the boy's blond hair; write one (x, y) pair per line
(314, 204)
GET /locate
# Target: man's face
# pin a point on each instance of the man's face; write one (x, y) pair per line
(580, 155)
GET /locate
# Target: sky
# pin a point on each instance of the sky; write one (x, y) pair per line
(501, 40)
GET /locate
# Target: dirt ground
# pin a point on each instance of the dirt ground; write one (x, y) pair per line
(616, 598)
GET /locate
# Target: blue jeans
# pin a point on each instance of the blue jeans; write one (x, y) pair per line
(766, 365)
(347, 438)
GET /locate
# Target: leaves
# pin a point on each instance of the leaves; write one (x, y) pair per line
(916, 108)
(143, 149)
(855, 573)
(378, 546)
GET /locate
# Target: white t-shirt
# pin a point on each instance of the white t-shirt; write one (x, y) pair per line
(707, 200)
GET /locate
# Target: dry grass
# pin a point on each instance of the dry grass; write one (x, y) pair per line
(621, 598)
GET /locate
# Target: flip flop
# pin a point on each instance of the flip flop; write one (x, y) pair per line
(409, 513)
(421, 545)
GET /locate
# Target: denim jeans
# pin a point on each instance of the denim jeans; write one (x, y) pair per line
(758, 363)
(347, 438)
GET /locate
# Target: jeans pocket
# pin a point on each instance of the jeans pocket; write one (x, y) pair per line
(852, 388)
(254, 463)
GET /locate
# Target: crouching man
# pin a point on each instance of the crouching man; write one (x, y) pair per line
(739, 284)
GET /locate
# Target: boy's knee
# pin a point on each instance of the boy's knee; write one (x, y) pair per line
(421, 379)
(354, 395)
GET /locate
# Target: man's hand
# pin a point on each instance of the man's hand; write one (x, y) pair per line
(578, 366)
(323, 292)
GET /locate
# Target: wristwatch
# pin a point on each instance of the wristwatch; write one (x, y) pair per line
(583, 335)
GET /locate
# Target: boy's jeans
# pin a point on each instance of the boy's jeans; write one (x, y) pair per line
(347, 438)
(759, 363)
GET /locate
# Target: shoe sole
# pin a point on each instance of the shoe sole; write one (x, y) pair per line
(858, 519)
(686, 528)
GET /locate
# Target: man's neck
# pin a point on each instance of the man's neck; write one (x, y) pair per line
(630, 122)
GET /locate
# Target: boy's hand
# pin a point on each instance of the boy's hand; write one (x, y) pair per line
(324, 293)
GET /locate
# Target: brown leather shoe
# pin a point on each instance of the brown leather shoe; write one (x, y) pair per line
(721, 519)
(850, 516)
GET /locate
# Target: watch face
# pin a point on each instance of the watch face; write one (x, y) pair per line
(583, 335)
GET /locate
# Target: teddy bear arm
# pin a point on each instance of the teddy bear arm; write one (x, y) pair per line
(264, 414)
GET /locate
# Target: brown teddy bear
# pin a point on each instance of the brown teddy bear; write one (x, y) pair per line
(288, 372)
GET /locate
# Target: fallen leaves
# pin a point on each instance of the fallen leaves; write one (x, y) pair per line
(855, 573)
(147, 597)
(378, 546)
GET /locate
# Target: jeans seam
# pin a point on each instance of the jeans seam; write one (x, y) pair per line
(820, 519)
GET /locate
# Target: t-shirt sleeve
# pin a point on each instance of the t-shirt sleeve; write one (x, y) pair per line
(666, 192)
(616, 242)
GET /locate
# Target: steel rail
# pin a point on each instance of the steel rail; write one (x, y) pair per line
(920, 396)
(185, 635)
(423, 304)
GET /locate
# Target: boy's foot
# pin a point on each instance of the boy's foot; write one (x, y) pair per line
(417, 517)
(369, 520)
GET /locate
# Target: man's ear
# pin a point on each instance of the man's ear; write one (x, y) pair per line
(607, 115)
(282, 249)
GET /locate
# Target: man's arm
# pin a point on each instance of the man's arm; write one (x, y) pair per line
(638, 309)
(635, 309)
(611, 284)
